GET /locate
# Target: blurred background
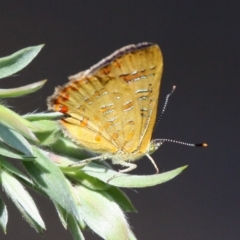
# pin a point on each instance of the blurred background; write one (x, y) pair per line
(200, 41)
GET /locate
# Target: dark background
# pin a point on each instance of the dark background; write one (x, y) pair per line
(200, 42)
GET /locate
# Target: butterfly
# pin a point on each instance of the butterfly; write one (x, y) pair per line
(111, 107)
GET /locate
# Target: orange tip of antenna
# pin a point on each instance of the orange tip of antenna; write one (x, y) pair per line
(201, 145)
(173, 88)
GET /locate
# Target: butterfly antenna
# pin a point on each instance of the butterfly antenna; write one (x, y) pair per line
(164, 106)
(159, 142)
(156, 143)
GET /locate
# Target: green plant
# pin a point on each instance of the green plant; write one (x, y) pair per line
(81, 193)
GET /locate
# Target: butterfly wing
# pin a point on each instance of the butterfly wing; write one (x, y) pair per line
(112, 106)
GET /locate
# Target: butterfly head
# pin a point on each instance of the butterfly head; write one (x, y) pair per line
(154, 145)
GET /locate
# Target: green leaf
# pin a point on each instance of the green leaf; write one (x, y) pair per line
(20, 91)
(87, 181)
(127, 180)
(3, 216)
(15, 140)
(23, 201)
(47, 126)
(8, 152)
(43, 116)
(18, 123)
(47, 132)
(75, 229)
(51, 180)
(131, 235)
(95, 184)
(121, 199)
(70, 222)
(62, 214)
(18, 60)
(15, 172)
(102, 214)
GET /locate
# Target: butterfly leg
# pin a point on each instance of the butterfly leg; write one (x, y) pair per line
(130, 167)
(154, 164)
(88, 160)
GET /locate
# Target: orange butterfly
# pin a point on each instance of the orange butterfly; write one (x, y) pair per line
(111, 108)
